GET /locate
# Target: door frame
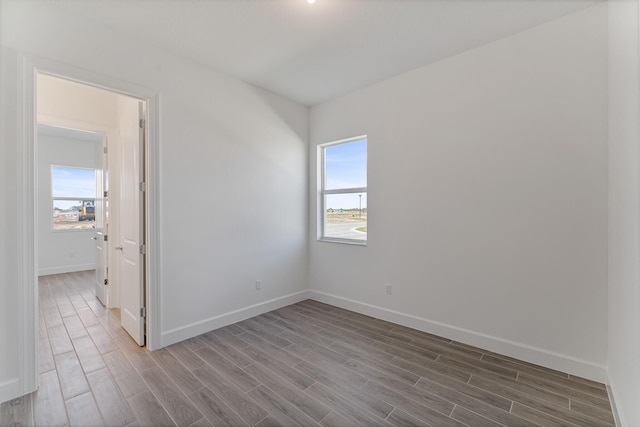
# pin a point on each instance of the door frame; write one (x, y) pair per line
(29, 66)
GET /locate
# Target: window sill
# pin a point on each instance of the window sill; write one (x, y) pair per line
(75, 230)
(352, 242)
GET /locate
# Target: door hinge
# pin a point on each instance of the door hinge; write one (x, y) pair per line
(141, 123)
(143, 312)
(143, 249)
(106, 281)
(105, 238)
(106, 194)
(143, 186)
(104, 150)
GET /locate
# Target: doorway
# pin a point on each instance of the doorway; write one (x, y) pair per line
(27, 313)
(117, 208)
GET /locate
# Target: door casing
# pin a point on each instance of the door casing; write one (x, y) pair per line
(101, 215)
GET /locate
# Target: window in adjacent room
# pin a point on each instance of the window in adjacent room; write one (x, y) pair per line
(73, 192)
(343, 191)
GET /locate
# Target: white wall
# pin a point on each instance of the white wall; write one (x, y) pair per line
(71, 250)
(233, 176)
(624, 210)
(487, 197)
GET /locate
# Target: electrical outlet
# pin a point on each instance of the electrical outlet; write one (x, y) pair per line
(258, 285)
(389, 287)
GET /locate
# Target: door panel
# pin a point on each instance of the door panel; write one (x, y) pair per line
(131, 219)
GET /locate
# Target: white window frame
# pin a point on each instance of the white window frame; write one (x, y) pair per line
(65, 198)
(324, 192)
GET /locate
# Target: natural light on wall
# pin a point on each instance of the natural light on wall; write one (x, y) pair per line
(343, 211)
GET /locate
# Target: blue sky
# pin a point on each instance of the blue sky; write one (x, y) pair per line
(346, 167)
(72, 182)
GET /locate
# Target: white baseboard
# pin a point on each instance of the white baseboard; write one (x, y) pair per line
(66, 269)
(10, 389)
(527, 353)
(194, 329)
(617, 415)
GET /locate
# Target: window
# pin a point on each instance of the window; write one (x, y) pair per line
(73, 192)
(343, 191)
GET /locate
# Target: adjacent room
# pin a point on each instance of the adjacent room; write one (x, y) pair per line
(329, 212)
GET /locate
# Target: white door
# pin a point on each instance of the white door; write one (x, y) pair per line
(101, 220)
(131, 218)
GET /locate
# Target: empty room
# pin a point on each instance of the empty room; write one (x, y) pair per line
(185, 193)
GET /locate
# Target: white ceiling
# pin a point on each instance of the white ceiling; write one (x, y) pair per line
(312, 53)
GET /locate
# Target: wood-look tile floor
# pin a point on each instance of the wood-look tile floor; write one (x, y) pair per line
(308, 364)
